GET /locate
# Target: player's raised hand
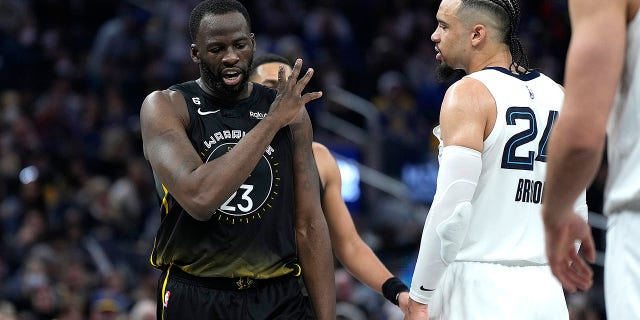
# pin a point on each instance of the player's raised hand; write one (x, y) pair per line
(290, 99)
(565, 262)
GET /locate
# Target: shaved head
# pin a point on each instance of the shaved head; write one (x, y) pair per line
(487, 13)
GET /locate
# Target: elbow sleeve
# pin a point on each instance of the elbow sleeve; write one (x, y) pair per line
(448, 219)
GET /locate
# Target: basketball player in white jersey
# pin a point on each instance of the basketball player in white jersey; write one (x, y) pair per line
(482, 254)
(602, 79)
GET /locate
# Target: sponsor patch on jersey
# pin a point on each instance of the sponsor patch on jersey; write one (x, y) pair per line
(257, 115)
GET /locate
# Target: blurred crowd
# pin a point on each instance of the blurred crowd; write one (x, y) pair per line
(78, 209)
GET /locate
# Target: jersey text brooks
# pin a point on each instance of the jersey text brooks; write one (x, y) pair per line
(529, 191)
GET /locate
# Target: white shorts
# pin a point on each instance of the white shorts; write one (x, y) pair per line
(622, 266)
(477, 290)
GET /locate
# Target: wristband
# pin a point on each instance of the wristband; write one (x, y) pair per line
(392, 288)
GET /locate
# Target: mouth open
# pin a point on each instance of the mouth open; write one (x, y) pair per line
(232, 78)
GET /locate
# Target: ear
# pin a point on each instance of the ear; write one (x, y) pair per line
(479, 34)
(194, 53)
(253, 41)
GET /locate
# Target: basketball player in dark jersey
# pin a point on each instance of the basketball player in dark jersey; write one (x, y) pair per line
(241, 215)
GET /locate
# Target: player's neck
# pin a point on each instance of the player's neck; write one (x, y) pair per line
(502, 59)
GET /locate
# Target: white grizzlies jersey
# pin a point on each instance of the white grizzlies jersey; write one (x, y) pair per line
(623, 145)
(506, 224)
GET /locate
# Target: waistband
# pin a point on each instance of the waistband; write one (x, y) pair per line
(508, 263)
(222, 283)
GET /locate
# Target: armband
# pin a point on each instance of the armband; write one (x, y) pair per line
(392, 288)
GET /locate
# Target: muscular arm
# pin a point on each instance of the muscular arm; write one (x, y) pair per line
(314, 246)
(199, 187)
(593, 71)
(467, 115)
(202, 187)
(349, 248)
(466, 110)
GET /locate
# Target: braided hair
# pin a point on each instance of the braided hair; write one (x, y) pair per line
(505, 11)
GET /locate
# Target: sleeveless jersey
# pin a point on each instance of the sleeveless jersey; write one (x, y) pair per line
(622, 190)
(506, 224)
(252, 234)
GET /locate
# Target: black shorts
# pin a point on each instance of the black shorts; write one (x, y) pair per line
(183, 296)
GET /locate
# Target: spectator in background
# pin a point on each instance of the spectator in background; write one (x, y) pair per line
(144, 309)
(7, 311)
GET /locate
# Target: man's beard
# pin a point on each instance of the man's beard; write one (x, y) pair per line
(218, 86)
(446, 74)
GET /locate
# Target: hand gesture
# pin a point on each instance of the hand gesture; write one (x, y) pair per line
(290, 100)
(570, 269)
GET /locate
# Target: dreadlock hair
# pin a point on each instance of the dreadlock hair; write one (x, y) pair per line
(214, 7)
(505, 11)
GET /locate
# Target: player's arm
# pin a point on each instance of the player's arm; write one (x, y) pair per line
(463, 120)
(348, 246)
(312, 235)
(199, 187)
(202, 187)
(592, 74)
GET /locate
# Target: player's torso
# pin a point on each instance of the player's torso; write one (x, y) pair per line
(506, 222)
(623, 134)
(252, 232)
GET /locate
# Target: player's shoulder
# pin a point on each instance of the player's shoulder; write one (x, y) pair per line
(160, 98)
(164, 103)
(467, 91)
(319, 147)
(466, 84)
(322, 154)
(326, 164)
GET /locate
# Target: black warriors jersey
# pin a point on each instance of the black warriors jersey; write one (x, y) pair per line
(252, 233)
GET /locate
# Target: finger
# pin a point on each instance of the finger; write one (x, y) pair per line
(582, 271)
(281, 80)
(310, 96)
(560, 270)
(295, 73)
(578, 272)
(559, 263)
(302, 83)
(588, 247)
(578, 279)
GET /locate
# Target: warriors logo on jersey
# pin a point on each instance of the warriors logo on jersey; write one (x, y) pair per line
(251, 200)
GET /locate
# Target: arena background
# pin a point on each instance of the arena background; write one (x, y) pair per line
(78, 211)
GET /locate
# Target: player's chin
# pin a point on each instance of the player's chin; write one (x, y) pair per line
(233, 89)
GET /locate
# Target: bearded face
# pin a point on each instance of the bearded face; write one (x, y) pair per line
(446, 74)
(215, 79)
